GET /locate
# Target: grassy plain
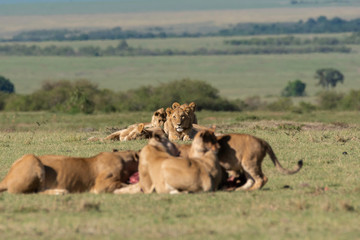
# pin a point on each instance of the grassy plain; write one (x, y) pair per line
(320, 202)
(236, 76)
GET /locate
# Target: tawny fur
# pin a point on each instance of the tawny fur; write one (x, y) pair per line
(162, 172)
(140, 130)
(244, 153)
(55, 174)
(192, 106)
(178, 125)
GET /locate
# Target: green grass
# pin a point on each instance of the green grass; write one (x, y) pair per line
(237, 76)
(320, 202)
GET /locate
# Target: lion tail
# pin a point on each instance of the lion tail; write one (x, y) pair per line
(277, 163)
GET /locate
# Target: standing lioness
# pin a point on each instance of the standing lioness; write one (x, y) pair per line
(53, 174)
(245, 153)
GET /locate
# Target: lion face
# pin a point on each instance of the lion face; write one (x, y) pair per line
(159, 117)
(204, 141)
(180, 119)
(161, 142)
(191, 106)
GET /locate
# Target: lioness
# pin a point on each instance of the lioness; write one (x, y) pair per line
(53, 174)
(161, 171)
(192, 106)
(244, 154)
(138, 130)
(178, 125)
(135, 132)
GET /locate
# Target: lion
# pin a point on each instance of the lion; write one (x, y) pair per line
(55, 174)
(192, 106)
(162, 172)
(139, 130)
(178, 125)
(135, 132)
(244, 153)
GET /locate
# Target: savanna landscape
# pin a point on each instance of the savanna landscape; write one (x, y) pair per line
(321, 127)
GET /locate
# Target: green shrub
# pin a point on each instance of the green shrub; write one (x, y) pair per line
(17, 102)
(351, 101)
(329, 100)
(6, 85)
(294, 89)
(282, 104)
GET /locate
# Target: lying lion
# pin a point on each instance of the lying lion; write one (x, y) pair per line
(162, 172)
(53, 174)
(139, 130)
(134, 133)
(244, 154)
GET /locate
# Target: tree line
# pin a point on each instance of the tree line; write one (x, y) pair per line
(319, 25)
(354, 38)
(122, 49)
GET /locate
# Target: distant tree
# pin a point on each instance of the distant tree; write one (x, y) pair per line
(329, 77)
(123, 45)
(294, 89)
(6, 85)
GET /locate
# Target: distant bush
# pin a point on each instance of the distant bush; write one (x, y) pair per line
(84, 96)
(329, 100)
(351, 101)
(186, 90)
(6, 85)
(282, 104)
(294, 89)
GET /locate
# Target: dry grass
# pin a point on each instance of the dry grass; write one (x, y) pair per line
(182, 20)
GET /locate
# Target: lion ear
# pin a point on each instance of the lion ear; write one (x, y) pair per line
(187, 110)
(168, 111)
(223, 139)
(141, 127)
(136, 156)
(175, 105)
(157, 136)
(192, 105)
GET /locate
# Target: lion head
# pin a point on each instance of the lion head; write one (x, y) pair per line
(159, 117)
(179, 118)
(191, 106)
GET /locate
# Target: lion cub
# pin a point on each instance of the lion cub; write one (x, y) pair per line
(53, 174)
(161, 171)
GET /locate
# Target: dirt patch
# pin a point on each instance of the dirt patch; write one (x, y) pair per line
(284, 125)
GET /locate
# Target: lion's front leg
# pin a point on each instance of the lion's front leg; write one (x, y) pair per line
(186, 138)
